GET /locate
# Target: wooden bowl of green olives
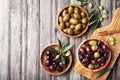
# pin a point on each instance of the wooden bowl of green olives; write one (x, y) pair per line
(72, 21)
(93, 54)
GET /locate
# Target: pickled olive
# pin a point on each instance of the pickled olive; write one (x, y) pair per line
(66, 17)
(92, 42)
(72, 26)
(76, 32)
(76, 15)
(94, 48)
(76, 10)
(60, 19)
(73, 21)
(84, 20)
(70, 9)
(70, 31)
(96, 66)
(83, 26)
(67, 24)
(64, 12)
(65, 30)
(96, 55)
(78, 27)
(82, 14)
(91, 66)
(82, 51)
(62, 26)
(101, 60)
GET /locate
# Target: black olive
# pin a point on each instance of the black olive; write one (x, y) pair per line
(52, 68)
(48, 63)
(62, 65)
(48, 52)
(85, 61)
(81, 57)
(105, 48)
(100, 43)
(101, 60)
(82, 51)
(94, 62)
(59, 69)
(49, 57)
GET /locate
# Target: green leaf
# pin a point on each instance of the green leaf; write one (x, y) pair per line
(54, 50)
(92, 12)
(57, 56)
(103, 72)
(81, 1)
(65, 44)
(95, 26)
(59, 45)
(67, 48)
(84, 3)
(63, 59)
(92, 22)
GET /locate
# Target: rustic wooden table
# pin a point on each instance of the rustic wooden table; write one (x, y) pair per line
(26, 26)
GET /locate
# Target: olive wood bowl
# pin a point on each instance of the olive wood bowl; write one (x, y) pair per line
(101, 67)
(81, 9)
(42, 61)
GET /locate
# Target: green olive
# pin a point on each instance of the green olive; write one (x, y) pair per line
(60, 19)
(72, 26)
(78, 27)
(96, 55)
(82, 14)
(62, 26)
(84, 20)
(94, 47)
(76, 10)
(96, 66)
(73, 21)
(64, 12)
(76, 32)
(65, 30)
(70, 31)
(92, 42)
(91, 66)
(83, 26)
(76, 15)
(66, 17)
(70, 10)
(67, 24)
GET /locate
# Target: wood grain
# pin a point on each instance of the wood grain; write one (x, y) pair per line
(27, 26)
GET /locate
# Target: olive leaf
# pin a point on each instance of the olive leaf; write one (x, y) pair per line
(63, 59)
(95, 26)
(67, 48)
(103, 72)
(65, 44)
(59, 45)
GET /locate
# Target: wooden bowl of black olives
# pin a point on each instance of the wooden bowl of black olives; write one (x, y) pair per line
(52, 62)
(93, 54)
(72, 21)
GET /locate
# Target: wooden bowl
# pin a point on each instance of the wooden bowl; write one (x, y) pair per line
(81, 9)
(101, 67)
(42, 60)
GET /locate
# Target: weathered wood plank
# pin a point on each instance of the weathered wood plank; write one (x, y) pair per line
(4, 39)
(16, 33)
(33, 40)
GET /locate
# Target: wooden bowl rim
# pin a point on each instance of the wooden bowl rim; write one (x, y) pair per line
(54, 73)
(102, 67)
(84, 30)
